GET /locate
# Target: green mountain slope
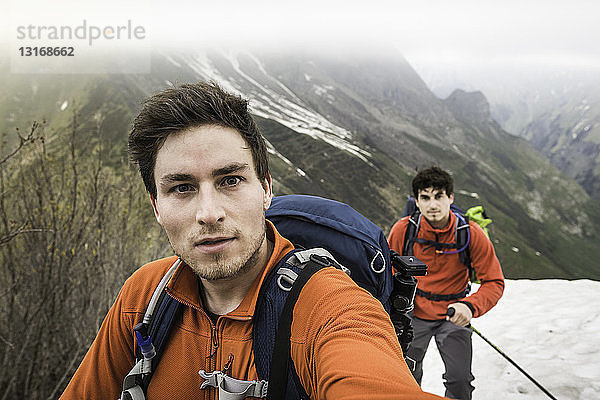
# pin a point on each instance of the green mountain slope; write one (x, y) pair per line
(360, 127)
(540, 215)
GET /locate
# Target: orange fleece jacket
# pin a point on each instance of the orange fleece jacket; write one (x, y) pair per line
(446, 274)
(342, 341)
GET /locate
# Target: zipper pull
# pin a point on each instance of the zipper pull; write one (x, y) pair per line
(215, 337)
(214, 341)
(227, 366)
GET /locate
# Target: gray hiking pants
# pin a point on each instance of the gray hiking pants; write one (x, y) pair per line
(454, 345)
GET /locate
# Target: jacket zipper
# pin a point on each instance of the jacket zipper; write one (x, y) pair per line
(214, 344)
(211, 393)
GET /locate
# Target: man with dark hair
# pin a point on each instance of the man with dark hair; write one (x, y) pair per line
(446, 284)
(205, 166)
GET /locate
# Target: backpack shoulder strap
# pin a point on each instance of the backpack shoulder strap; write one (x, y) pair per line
(463, 241)
(152, 335)
(273, 320)
(168, 310)
(280, 362)
(410, 235)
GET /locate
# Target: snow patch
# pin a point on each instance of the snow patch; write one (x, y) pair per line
(573, 229)
(549, 328)
(272, 150)
(323, 91)
(286, 109)
(470, 194)
(535, 207)
(579, 127)
(319, 90)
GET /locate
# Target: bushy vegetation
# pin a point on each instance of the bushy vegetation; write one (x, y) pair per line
(71, 231)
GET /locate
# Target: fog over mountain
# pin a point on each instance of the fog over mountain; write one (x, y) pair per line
(556, 108)
(354, 127)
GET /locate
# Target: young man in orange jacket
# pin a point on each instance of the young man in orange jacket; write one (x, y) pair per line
(204, 164)
(446, 282)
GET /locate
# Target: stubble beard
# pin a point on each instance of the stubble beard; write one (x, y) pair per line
(438, 221)
(217, 266)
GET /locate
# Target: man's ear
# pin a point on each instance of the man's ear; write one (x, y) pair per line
(268, 188)
(451, 197)
(417, 202)
(155, 208)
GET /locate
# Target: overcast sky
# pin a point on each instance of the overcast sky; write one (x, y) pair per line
(460, 31)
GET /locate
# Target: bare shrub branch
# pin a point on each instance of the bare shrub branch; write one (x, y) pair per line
(70, 230)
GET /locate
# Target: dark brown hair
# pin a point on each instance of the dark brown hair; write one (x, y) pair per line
(186, 106)
(434, 177)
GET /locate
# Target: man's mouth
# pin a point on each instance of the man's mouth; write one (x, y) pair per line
(213, 245)
(212, 241)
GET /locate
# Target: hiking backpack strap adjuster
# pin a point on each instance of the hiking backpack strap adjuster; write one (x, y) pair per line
(132, 384)
(231, 388)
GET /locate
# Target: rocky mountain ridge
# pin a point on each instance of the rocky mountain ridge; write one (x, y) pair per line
(355, 128)
(557, 109)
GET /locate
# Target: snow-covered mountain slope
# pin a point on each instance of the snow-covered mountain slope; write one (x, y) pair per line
(270, 98)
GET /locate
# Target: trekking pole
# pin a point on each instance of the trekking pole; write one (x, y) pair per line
(450, 313)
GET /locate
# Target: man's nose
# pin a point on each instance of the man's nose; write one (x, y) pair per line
(210, 208)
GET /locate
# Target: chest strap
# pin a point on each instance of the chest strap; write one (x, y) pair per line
(231, 388)
(443, 297)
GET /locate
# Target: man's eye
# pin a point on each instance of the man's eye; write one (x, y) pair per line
(231, 181)
(183, 188)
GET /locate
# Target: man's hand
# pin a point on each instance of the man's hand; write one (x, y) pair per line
(462, 314)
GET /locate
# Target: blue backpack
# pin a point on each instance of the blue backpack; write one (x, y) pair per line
(325, 233)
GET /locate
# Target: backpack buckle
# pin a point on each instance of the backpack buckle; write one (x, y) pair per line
(233, 389)
(321, 260)
(287, 275)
